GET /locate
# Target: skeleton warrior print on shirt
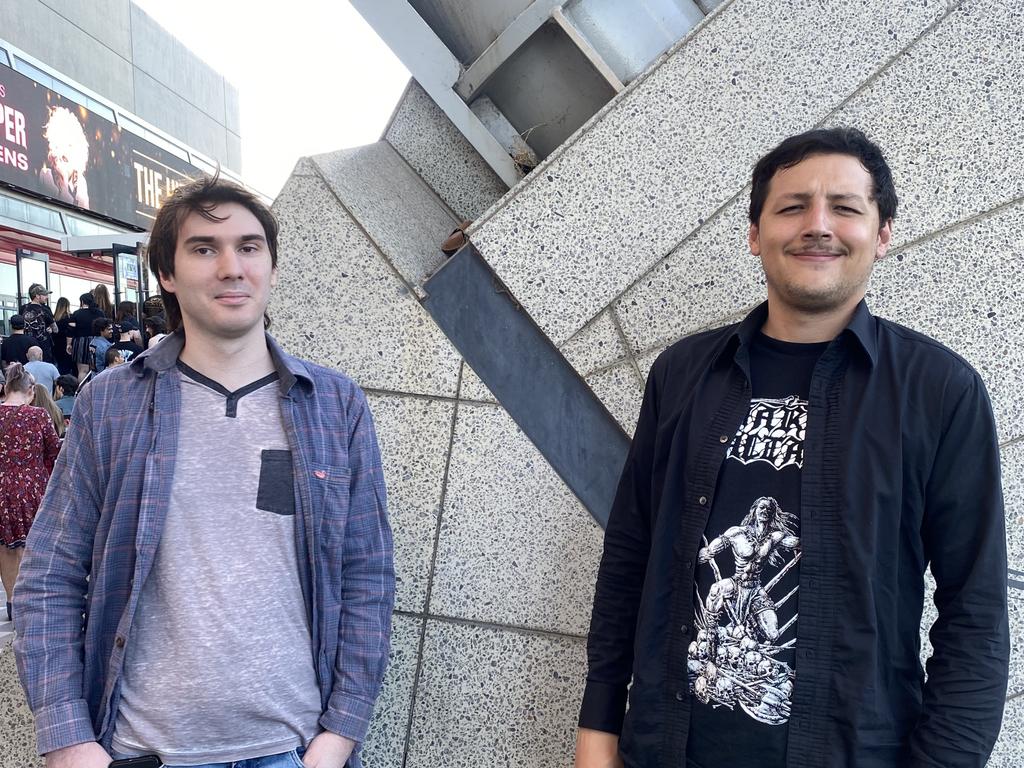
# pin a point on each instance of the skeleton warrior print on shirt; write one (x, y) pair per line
(741, 662)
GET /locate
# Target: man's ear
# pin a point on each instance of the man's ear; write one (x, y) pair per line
(273, 278)
(166, 282)
(884, 241)
(754, 239)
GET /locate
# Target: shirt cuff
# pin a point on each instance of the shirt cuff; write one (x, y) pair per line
(347, 716)
(63, 724)
(603, 708)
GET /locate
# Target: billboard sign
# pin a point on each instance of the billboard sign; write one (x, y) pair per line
(53, 147)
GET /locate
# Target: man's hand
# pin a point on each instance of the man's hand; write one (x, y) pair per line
(87, 755)
(597, 749)
(327, 750)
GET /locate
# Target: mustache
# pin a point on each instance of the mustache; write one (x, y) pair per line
(818, 246)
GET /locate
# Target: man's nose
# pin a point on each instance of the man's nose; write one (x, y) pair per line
(817, 220)
(229, 265)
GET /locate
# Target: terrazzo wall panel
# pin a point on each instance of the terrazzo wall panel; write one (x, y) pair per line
(1012, 457)
(948, 114)
(398, 211)
(340, 303)
(385, 743)
(444, 159)
(962, 287)
(414, 435)
(495, 559)
(17, 729)
(515, 546)
(490, 697)
(632, 235)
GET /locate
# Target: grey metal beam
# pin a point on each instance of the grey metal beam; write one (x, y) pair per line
(508, 42)
(542, 393)
(436, 70)
(588, 50)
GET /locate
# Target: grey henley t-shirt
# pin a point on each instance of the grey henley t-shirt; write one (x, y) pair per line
(219, 664)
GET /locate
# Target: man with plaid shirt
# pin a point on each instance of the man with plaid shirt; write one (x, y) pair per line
(218, 517)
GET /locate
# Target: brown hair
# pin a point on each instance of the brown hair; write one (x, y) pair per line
(125, 309)
(200, 196)
(42, 399)
(63, 309)
(103, 302)
(18, 379)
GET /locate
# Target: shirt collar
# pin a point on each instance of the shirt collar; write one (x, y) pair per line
(861, 327)
(164, 356)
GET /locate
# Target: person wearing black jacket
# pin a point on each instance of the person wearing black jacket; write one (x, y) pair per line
(39, 321)
(791, 479)
(81, 327)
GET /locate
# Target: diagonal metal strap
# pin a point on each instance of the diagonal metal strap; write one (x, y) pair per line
(541, 391)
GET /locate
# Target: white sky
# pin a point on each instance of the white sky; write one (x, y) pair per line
(312, 76)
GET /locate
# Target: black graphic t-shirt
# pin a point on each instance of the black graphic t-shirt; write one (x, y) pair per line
(38, 318)
(128, 349)
(741, 662)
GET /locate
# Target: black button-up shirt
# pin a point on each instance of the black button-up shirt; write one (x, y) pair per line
(901, 471)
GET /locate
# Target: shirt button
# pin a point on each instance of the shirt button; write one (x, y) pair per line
(703, 500)
(119, 641)
(689, 565)
(723, 439)
(685, 629)
(680, 696)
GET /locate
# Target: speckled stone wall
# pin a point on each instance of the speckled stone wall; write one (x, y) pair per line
(633, 234)
(628, 237)
(495, 559)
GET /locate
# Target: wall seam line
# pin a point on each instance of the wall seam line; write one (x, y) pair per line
(431, 572)
(376, 246)
(957, 225)
(89, 34)
(492, 625)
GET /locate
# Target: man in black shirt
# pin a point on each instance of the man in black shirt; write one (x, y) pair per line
(39, 321)
(790, 480)
(126, 330)
(14, 349)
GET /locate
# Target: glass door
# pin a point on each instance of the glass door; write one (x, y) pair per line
(33, 267)
(126, 278)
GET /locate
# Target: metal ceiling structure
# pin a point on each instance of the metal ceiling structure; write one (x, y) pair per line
(517, 78)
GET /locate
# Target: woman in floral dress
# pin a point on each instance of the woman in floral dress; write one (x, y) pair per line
(28, 448)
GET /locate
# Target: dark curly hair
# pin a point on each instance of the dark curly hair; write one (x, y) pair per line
(826, 141)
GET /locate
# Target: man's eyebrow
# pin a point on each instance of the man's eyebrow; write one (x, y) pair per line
(833, 196)
(195, 239)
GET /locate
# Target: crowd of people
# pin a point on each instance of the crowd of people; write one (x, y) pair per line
(44, 363)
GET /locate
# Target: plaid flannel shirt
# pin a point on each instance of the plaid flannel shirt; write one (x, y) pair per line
(96, 534)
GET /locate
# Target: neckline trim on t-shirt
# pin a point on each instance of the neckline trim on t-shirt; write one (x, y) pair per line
(231, 398)
(791, 347)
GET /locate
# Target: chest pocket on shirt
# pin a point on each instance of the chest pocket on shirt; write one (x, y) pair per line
(276, 492)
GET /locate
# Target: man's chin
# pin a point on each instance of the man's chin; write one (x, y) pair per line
(816, 301)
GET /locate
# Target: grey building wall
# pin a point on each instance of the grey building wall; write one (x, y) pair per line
(116, 50)
(631, 235)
